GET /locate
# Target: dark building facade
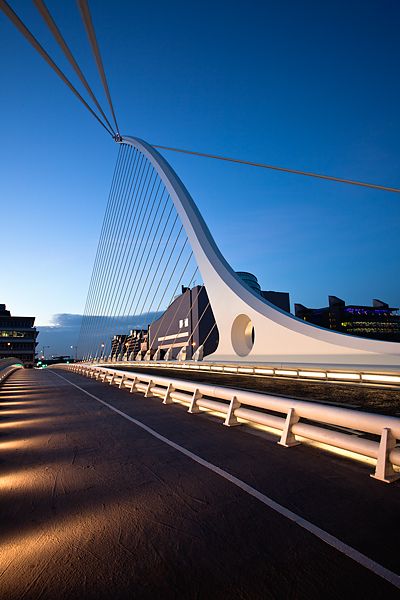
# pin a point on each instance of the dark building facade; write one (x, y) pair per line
(129, 346)
(378, 321)
(279, 299)
(186, 324)
(17, 337)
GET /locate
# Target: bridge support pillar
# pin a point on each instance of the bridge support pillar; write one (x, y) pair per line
(148, 393)
(193, 408)
(384, 470)
(287, 438)
(167, 398)
(133, 384)
(231, 420)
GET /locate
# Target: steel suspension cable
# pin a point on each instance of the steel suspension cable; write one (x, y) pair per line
(179, 304)
(106, 224)
(170, 277)
(187, 316)
(121, 277)
(157, 246)
(99, 246)
(164, 271)
(8, 11)
(115, 245)
(127, 270)
(282, 169)
(51, 24)
(101, 296)
(134, 191)
(88, 23)
(148, 274)
(105, 244)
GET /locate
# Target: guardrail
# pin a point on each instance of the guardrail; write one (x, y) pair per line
(332, 374)
(8, 366)
(300, 420)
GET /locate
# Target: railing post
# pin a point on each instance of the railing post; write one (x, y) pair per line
(148, 393)
(231, 420)
(133, 384)
(384, 470)
(167, 398)
(287, 438)
(122, 381)
(112, 378)
(193, 408)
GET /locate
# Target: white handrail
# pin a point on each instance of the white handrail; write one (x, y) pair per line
(234, 404)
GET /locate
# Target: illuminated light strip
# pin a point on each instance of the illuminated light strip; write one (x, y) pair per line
(174, 336)
(204, 367)
(381, 378)
(352, 376)
(312, 374)
(321, 445)
(210, 411)
(264, 371)
(244, 370)
(285, 372)
(230, 369)
(340, 451)
(316, 531)
(217, 368)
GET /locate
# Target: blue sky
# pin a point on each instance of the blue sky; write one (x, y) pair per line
(308, 85)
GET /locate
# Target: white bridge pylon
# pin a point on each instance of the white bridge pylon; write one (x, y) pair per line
(250, 328)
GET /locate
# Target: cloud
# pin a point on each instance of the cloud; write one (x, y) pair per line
(65, 329)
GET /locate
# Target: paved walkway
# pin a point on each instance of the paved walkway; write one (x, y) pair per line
(93, 505)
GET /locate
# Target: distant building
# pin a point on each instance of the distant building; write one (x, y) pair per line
(128, 346)
(186, 324)
(279, 299)
(378, 321)
(189, 322)
(118, 345)
(17, 337)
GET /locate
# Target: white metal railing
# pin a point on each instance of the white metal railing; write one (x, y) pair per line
(327, 374)
(8, 366)
(299, 421)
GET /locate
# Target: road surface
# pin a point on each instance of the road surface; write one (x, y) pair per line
(151, 502)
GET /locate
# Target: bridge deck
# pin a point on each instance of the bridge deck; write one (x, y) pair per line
(94, 506)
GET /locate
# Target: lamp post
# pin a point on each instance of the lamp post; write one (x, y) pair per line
(102, 351)
(43, 349)
(76, 352)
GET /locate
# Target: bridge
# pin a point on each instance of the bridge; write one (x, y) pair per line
(107, 491)
(207, 444)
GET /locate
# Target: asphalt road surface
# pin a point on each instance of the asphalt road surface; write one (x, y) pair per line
(107, 494)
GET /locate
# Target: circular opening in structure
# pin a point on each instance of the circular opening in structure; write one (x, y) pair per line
(242, 335)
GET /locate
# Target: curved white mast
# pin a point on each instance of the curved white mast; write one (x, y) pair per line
(250, 328)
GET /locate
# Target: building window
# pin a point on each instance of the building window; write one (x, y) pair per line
(186, 322)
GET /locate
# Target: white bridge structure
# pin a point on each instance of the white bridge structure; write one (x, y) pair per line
(252, 330)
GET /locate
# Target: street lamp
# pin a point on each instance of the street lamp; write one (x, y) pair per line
(43, 348)
(102, 351)
(76, 352)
